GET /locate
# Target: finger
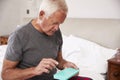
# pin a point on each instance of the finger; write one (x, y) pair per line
(48, 66)
(53, 61)
(40, 70)
(50, 60)
(48, 63)
(44, 70)
(74, 66)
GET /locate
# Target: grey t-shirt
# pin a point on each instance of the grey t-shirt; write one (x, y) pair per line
(29, 47)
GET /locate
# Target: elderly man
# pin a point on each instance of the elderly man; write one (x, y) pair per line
(34, 50)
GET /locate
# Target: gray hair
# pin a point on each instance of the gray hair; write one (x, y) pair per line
(50, 6)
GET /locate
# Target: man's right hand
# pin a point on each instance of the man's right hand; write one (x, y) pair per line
(45, 65)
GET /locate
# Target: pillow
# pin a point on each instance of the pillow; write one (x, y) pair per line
(2, 50)
(86, 54)
(64, 36)
(2, 53)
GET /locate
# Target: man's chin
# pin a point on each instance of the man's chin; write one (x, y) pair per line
(50, 34)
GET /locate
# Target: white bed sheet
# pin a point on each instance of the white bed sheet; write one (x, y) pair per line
(2, 53)
(90, 57)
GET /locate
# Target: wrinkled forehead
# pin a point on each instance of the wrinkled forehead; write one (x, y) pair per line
(58, 16)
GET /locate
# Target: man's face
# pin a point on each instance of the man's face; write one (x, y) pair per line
(50, 25)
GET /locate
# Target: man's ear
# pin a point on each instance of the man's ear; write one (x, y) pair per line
(41, 14)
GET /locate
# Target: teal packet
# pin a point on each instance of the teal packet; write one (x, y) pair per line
(66, 73)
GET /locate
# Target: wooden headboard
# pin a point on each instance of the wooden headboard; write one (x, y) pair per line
(3, 39)
(105, 32)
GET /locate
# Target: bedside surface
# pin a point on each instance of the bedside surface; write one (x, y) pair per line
(113, 69)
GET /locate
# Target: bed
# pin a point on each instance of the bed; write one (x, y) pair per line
(90, 57)
(89, 47)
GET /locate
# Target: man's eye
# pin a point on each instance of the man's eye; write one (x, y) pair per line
(55, 23)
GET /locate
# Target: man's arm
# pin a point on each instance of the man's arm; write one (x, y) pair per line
(63, 63)
(10, 72)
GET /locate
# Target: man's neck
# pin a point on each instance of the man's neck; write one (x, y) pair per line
(36, 25)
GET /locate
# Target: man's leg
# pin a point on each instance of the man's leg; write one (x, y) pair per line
(80, 78)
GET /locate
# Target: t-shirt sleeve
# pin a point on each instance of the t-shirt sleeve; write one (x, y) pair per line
(14, 49)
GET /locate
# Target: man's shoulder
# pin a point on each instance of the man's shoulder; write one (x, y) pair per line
(21, 31)
(23, 28)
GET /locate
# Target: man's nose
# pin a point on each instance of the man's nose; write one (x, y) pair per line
(56, 27)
